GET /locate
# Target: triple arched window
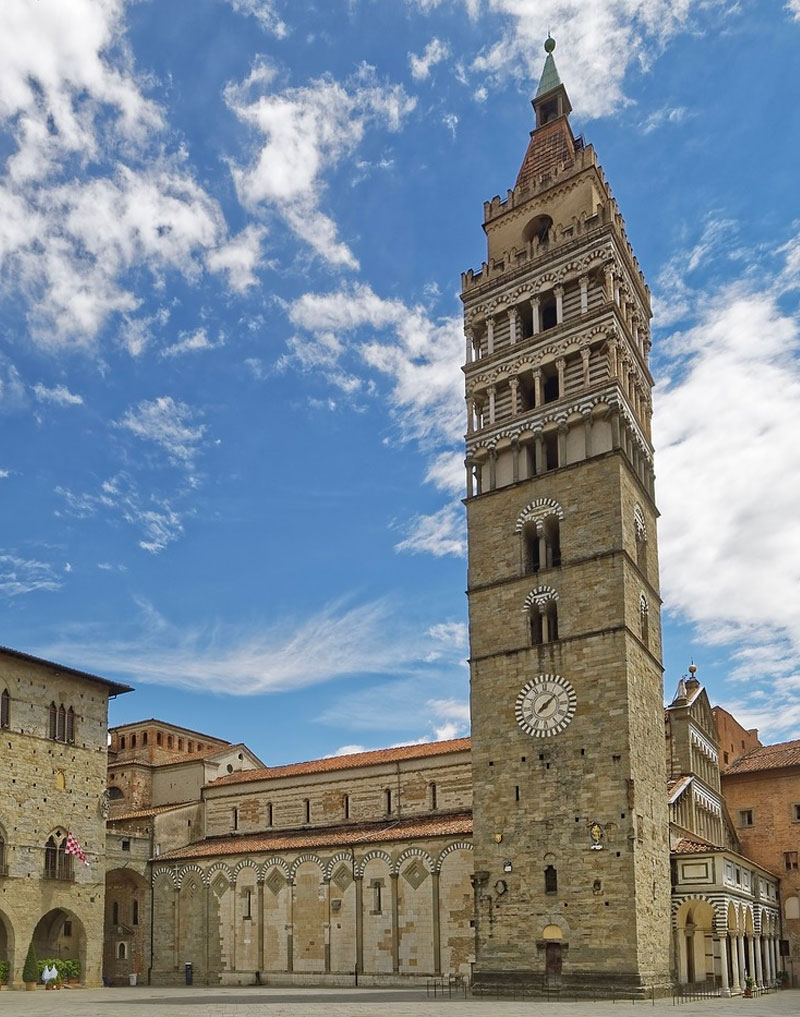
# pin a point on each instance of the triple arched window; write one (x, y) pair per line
(62, 723)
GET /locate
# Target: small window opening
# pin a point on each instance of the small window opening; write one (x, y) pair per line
(133, 741)
(550, 450)
(307, 806)
(269, 814)
(5, 709)
(790, 860)
(144, 738)
(387, 796)
(66, 930)
(434, 797)
(550, 383)
(115, 913)
(550, 879)
(346, 803)
(530, 539)
(170, 742)
(180, 745)
(70, 725)
(745, 817)
(54, 724)
(190, 746)
(135, 912)
(159, 738)
(235, 818)
(248, 904)
(548, 312)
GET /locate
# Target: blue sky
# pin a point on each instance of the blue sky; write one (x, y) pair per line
(231, 239)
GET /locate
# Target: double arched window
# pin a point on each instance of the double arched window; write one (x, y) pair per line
(539, 525)
(57, 863)
(541, 606)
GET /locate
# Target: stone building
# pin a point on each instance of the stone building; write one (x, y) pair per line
(762, 789)
(156, 773)
(53, 725)
(725, 897)
(318, 870)
(570, 841)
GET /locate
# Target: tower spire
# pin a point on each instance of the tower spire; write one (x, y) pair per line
(551, 100)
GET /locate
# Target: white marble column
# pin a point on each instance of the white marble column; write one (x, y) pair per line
(584, 285)
(489, 335)
(470, 415)
(559, 295)
(561, 366)
(513, 316)
(735, 984)
(723, 965)
(537, 388)
(609, 283)
(513, 384)
(469, 345)
(492, 399)
(586, 354)
(537, 325)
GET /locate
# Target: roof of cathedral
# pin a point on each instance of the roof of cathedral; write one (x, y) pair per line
(170, 725)
(151, 810)
(173, 758)
(767, 757)
(361, 833)
(114, 688)
(375, 757)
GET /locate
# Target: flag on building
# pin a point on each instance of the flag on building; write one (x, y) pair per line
(72, 847)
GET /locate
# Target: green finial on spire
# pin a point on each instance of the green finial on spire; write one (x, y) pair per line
(549, 43)
(549, 79)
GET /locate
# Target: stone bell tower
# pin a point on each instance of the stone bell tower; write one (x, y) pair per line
(571, 847)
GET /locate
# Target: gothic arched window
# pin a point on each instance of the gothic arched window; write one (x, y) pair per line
(53, 721)
(550, 879)
(61, 734)
(644, 620)
(5, 709)
(70, 725)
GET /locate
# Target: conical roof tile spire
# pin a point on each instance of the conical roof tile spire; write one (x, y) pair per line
(549, 79)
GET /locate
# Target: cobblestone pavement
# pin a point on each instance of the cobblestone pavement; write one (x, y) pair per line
(262, 1002)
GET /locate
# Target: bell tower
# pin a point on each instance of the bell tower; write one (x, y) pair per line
(571, 880)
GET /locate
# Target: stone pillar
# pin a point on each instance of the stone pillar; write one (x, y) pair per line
(559, 294)
(562, 444)
(723, 964)
(539, 453)
(492, 470)
(470, 414)
(359, 881)
(584, 285)
(759, 972)
(683, 968)
(478, 478)
(776, 965)
(437, 929)
(616, 289)
(537, 388)
(613, 365)
(735, 984)
(561, 367)
(513, 384)
(770, 971)
(290, 929)
(615, 430)
(515, 460)
(492, 390)
(512, 324)
(469, 345)
(261, 959)
(395, 923)
(536, 326)
(586, 354)
(587, 434)
(470, 477)
(609, 273)
(326, 932)
(489, 335)
(543, 562)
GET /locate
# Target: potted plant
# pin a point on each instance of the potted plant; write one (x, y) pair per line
(70, 970)
(783, 979)
(4, 972)
(749, 982)
(30, 970)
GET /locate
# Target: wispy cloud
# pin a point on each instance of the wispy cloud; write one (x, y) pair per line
(434, 53)
(168, 424)
(265, 12)
(192, 342)
(661, 117)
(20, 575)
(59, 395)
(305, 132)
(347, 640)
(156, 518)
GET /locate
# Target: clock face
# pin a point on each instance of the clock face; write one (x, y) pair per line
(545, 705)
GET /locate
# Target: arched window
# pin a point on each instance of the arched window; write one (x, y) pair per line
(3, 869)
(550, 879)
(61, 736)
(307, 807)
(54, 721)
(5, 709)
(346, 806)
(190, 746)
(70, 725)
(544, 622)
(159, 738)
(387, 801)
(57, 863)
(115, 794)
(170, 741)
(531, 548)
(133, 741)
(644, 620)
(539, 525)
(122, 951)
(144, 738)
(641, 539)
(434, 796)
(122, 742)
(180, 745)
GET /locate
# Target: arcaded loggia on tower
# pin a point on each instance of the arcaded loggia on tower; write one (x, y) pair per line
(572, 881)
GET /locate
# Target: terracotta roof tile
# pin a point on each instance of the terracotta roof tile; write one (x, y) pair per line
(685, 846)
(153, 810)
(364, 833)
(767, 757)
(347, 762)
(550, 146)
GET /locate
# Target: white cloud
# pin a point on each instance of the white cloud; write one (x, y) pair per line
(729, 470)
(660, 117)
(264, 12)
(12, 389)
(60, 395)
(239, 257)
(25, 575)
(90, 196)
(434, 53)
(598, 42)
(4, 474)
(191, 342)
(159, 523)
(347, 640)
(440, 533)
(305, 131)
(793, 6)
(168, 424)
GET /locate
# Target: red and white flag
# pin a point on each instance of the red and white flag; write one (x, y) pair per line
(72, 847)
